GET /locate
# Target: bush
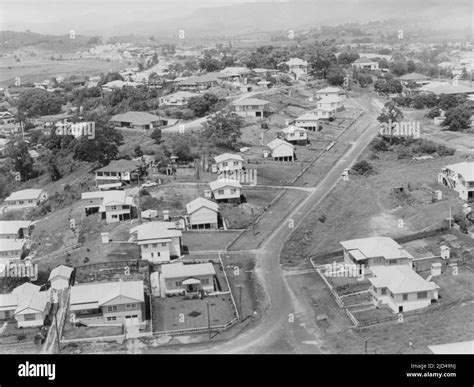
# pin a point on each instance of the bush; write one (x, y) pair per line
(379, 144)
(362, 168)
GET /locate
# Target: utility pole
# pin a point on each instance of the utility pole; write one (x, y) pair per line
(209, 320)
(57, 328)
(139, 202)
(302, 173)
(450, 220)
(366, 347)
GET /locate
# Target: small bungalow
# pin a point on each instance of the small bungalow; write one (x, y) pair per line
(281, 150)
(229, 162)
(226, 190)
(138, 120)
(251, 107)
(401, 288)
(329, 92)
(15, 229)
(375, 251)
(297, 67)
(179, 278)
(25, 198)
(308, 121)
(12, 250)
(180, 98)
(60, 277)
(27, 304)
(460, 178)
(365, 64)
(295, 135)
(202, 214)
(116, 173)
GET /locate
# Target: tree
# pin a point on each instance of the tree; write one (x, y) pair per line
(389, 115)
(156, 135)
(347, 57)
(224, 129)
(181, 149)
(321, 61)
(458, 118)
(399, 67)
(53, 169)
(22, 161)
(209, 64)
(447, 101)
(138, 151)
(202, 104)
(39, 102)
(335, 76)
(362, 168)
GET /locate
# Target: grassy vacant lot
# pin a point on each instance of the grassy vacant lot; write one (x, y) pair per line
(208, 240)
(38, 70)
(177, 313)
(72, 332)
(274, 216)
(365, 206)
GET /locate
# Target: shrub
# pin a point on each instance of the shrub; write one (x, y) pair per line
(362, 168)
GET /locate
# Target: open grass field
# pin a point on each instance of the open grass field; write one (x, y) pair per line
(208, 240)
(38, 70)
(365, 206)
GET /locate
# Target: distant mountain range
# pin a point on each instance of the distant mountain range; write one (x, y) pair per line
(245, 18)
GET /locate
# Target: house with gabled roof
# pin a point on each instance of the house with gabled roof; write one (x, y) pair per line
(329, 91)
(251, 107)
(60, 277)
(114, 206)
(365, 64)
(25, 198)
(229, 162)
(27, 304)
(280, 150)
(226, 190)
(297, 67)
(180, 98)
(460, 178)
(15, 229)
(158, 241)
(308, 121)
(401, 288)
(117, 173)
(121, 302)
(12, 250)
(419, 79)
(375, 251)
(295, 135)
(138, 120)
(202, 214)
(180, 278)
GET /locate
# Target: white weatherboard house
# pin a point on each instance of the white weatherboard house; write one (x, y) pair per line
(158, 241)
(12, 250)
(229, 162)
(401, 288)
(117, 173)
(25, 198)
(329, 91)
(365, 64)
(202, 214)
(226, 190)
(60, 277)
(250, 107)
(331, 103)
(115, 206)
(459, 177)
(281, 150)
(26, 304)
(15, 229)
(179, 278)
(375, 251)
(112, 302)
(295, 135)
(297, 67)
(308, 121)
(180, 98)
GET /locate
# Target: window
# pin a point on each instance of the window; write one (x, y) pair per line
(233, 191)
(21, 201)
(112, 308)
(177, 283)
(30, 317)
(205, 281)
(151, 255)
(114, 216)
(301, 134)
(236, 163)
(113, 207)
(154, 245)
(225, 164)
(30, 201)
(7, 314)
(220, 192)
(145, 246)
(158, 254)
(163, 244)
(384, 291)
(113, 318)
(405, 297)
(130, 306)
(421, 295)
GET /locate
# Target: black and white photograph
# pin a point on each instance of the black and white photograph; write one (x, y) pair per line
(236, 177)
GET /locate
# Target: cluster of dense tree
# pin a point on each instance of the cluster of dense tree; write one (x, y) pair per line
(39, 102)
(388, 86)
(223, 130)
